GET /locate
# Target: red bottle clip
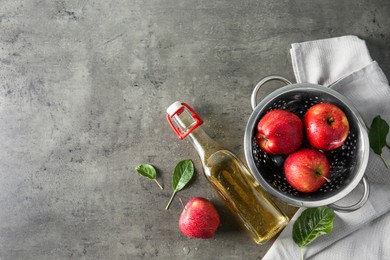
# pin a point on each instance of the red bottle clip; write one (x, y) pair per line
(179, 110)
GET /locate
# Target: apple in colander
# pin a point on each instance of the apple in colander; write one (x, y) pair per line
(279, 132)
(326, 126)
(307, 169)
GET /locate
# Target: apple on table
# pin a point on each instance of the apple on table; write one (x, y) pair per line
(199, 219)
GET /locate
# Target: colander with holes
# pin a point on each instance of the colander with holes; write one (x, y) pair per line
(348, 162)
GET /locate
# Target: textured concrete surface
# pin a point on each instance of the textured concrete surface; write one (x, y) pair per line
(83, 90)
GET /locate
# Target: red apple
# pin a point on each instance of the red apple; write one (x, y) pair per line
(199, 219)
(306, 169)
(279, 132)
(326, 126)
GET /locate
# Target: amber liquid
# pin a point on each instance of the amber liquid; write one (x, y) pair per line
(255, 212)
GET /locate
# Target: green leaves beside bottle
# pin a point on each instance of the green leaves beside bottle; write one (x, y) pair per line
(312, 223)
(182, 175)
(149, 172)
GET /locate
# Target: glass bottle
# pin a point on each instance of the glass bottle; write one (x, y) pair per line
(249, 203)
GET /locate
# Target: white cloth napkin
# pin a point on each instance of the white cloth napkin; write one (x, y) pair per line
(344, 64)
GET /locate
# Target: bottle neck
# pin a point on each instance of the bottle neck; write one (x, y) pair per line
(203, 144)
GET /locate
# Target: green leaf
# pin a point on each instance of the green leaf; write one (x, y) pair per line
(148, 171)
(312, 223)
(377, 136)
(182, 175)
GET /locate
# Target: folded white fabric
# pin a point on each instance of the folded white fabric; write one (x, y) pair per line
(325, 61)
(344, 64)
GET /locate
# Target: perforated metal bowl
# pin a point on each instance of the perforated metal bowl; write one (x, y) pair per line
(348, 162)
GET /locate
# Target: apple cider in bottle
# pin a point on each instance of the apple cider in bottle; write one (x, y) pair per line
(249, 203)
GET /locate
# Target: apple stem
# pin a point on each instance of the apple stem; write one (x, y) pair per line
(170, 200)
(326, 179)
(158, 184)
(181, 203)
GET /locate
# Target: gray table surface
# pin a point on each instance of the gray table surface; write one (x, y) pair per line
(83, 90)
